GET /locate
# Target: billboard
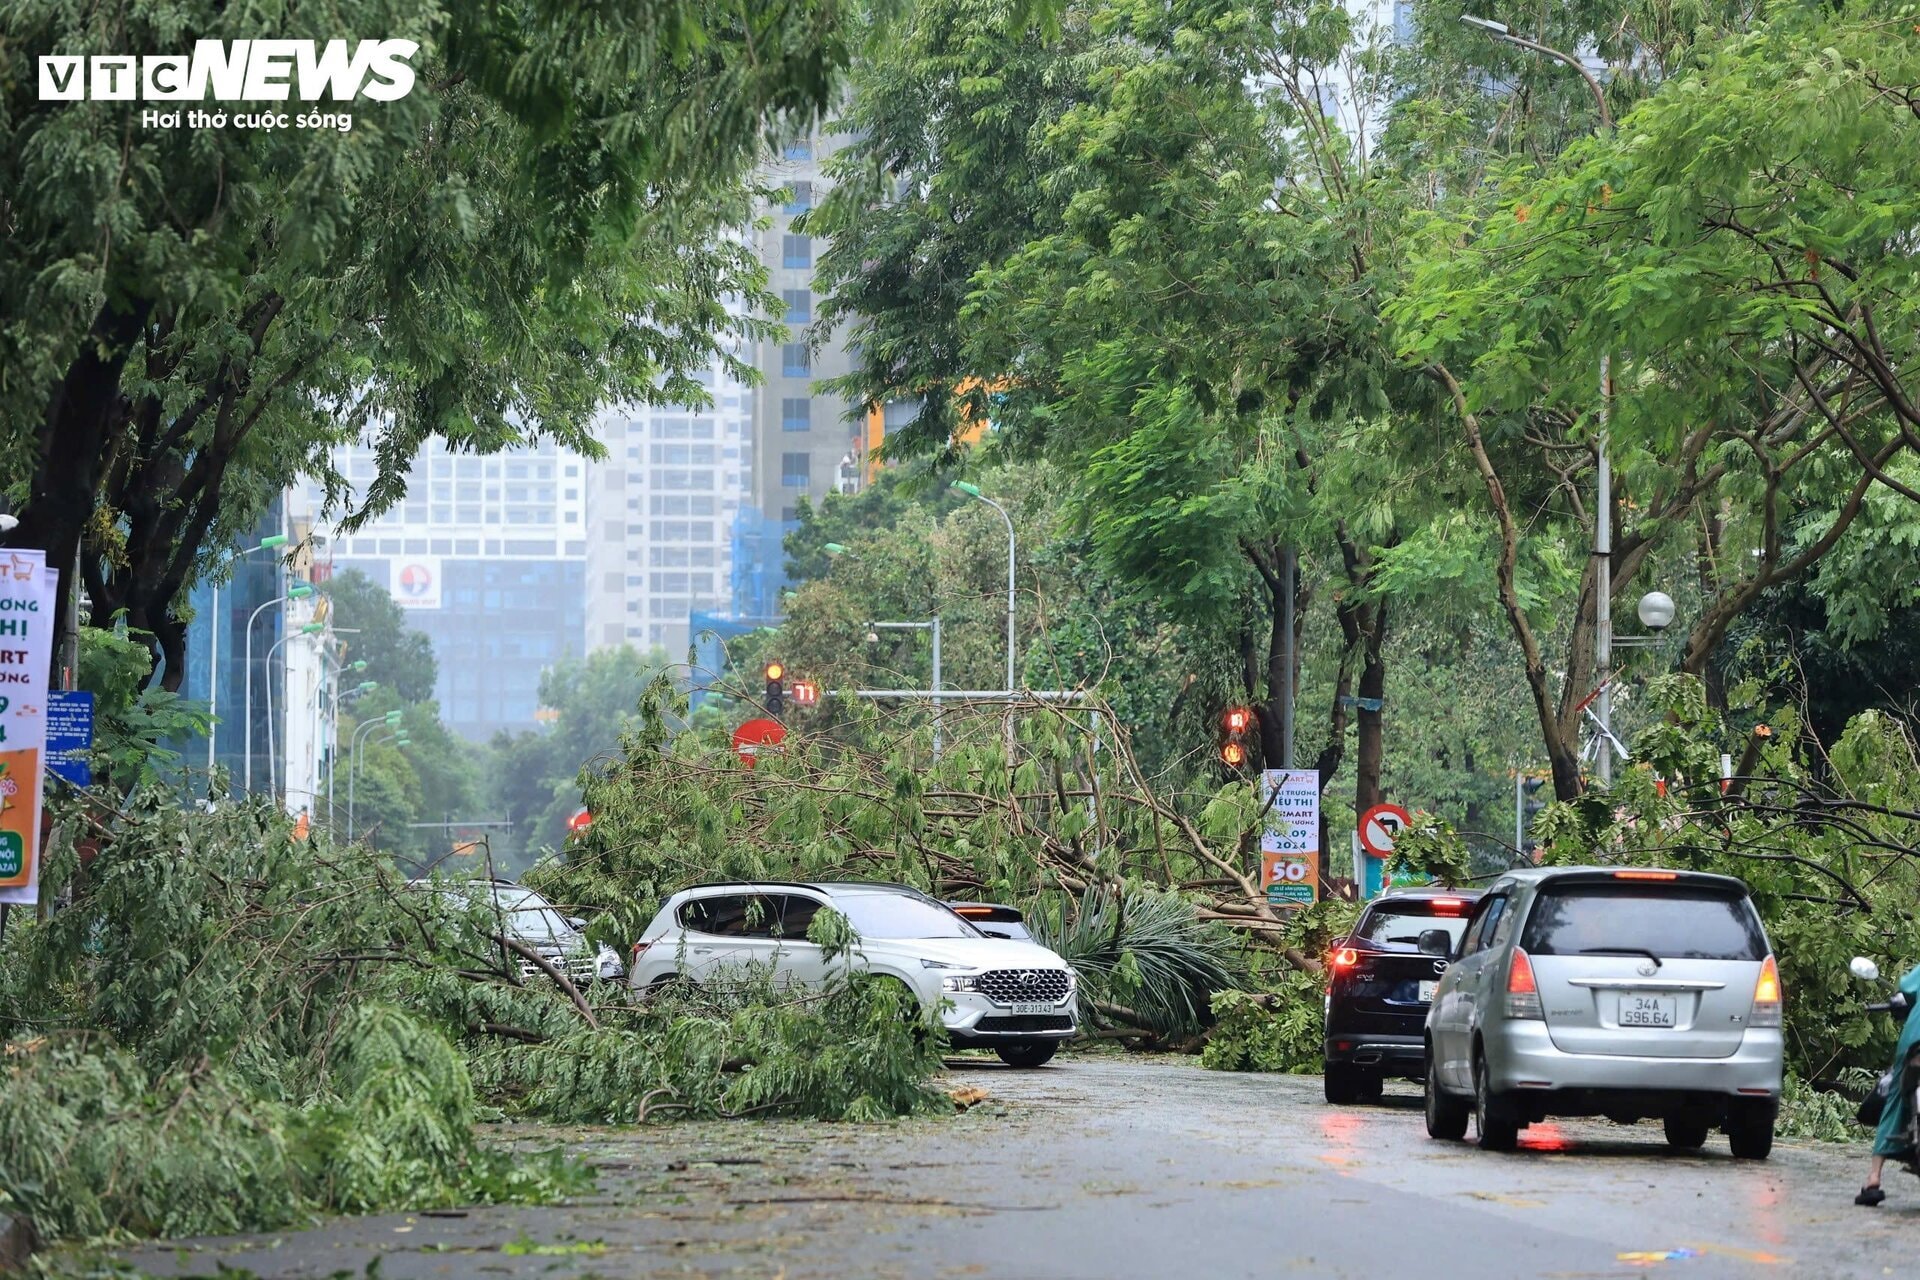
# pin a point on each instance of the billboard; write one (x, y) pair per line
(28, 590)
(1290, 840)
(415, 582)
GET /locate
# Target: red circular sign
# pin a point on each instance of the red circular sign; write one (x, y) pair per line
(751, 737)
(1379, 825)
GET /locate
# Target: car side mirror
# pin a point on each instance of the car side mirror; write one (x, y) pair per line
(576, 922)
(1435, 942)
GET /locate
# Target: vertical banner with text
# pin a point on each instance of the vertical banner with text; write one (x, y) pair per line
(28, 590)
(1290, 840)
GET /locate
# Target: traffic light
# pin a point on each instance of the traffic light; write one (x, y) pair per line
(776, 674)
(805, 693)
(1233, 736)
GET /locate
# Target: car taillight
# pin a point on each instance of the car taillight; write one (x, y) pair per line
(1345, 958)
(1523, 997)
(1766, 997)
(1635, 874)
(638, 947)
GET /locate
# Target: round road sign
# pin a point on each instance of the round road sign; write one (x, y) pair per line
(1378, 827)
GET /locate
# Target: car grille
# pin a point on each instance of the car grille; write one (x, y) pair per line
(1005, 986)
(579, 967)
(1025, 1022)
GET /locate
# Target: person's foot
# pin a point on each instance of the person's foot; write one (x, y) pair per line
(1870, 1195)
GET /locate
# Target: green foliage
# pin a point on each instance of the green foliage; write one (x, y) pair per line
(1825, 1115)
(536, 776)
(1141, 951)
(398, 657)
(232, 1029)
(1278, 1030)
(131, 720)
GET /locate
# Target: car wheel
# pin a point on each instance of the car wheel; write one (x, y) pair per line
(1373, 1086)
(1446, 1115)
(1750, 1133)
(1028, 1055)
(1493, 1123)
(1341, 1084)
(1686, 1133)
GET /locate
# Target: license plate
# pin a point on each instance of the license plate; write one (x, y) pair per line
(1032, 1006)
(1649, 1011)
(1426, 990)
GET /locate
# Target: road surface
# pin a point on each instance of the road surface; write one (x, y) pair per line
(1106, 1168)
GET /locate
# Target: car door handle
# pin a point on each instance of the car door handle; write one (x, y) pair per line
(701, 951)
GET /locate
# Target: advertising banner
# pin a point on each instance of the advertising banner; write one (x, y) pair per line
(27, 593)
(1290, 842)
(416, 582)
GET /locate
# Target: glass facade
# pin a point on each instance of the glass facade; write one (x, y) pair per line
(216, 672)
(499, 625)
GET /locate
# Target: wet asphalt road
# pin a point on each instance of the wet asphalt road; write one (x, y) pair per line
(1105, 1168)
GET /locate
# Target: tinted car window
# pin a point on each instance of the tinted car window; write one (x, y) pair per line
(796, 915)
(1678, 923)
(895, 915)
(732, 915)
(1484, 924)
(1400, 924)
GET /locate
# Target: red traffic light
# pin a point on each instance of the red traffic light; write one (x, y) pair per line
(1236, 720)
(805, 693)
(1234, 754)
(774, 670)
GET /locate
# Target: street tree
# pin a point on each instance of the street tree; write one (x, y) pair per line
(189, 318)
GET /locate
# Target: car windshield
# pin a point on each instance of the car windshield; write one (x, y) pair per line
(1679, 923)
(1402, 923)
(895, 915)
(528, 915)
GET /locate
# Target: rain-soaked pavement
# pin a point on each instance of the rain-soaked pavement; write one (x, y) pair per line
(1107, 1168)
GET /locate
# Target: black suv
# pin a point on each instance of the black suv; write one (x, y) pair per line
(1381, 978)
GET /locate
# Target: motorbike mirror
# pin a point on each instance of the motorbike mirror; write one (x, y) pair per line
(1863, 968)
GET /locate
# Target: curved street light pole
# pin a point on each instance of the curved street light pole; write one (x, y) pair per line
(253, 617)
(1603, 464)
(361, 735)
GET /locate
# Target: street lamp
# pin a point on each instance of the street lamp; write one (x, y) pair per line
(213, 643)
(1603, 466)
(973, 491)
(298, 591)
(362, 734)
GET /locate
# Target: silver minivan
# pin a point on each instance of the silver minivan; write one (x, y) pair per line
(1625, 992)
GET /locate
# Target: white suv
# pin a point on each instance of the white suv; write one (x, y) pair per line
(1016, 998)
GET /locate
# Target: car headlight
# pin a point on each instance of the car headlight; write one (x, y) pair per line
(607, 963)
(957, 979)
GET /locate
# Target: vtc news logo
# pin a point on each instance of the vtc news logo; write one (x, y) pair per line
(236, 71)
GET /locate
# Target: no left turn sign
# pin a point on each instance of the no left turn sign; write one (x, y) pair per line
(1380, 825)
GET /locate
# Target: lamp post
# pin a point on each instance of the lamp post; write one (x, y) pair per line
(973, 491)
(361, 735)
(299, 591)
(273, 751)
(213, 644)
(1603, 466)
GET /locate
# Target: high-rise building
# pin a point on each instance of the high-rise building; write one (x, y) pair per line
(803, 441)
(488, 556)
(661, 508)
